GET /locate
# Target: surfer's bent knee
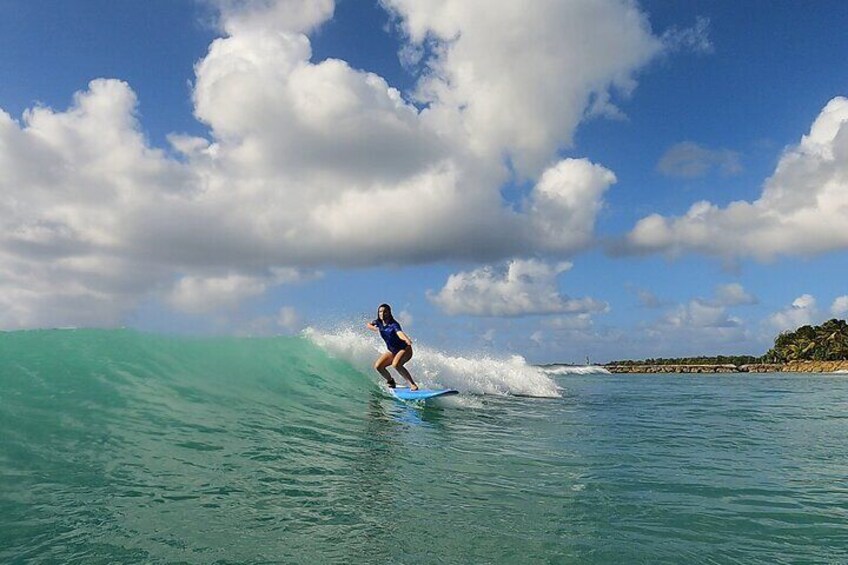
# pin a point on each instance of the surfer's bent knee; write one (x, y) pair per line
(382, 362)
(402, 357)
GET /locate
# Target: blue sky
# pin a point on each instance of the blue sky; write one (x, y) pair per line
(519, 183)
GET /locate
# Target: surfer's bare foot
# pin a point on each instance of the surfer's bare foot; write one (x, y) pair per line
(413, 386)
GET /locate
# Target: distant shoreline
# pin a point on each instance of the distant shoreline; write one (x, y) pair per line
(791, 367)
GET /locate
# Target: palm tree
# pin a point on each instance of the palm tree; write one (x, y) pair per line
(827, 342)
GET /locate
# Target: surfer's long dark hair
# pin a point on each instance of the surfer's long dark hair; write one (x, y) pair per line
(387, 315)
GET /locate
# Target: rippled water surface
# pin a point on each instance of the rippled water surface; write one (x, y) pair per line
(118, 447)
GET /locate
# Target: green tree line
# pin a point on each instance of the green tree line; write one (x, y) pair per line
(827, 342)
(702, 360)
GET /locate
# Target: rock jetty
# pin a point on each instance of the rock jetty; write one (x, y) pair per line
(791, 367)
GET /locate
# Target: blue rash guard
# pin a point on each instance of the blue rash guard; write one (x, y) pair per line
(389, 334)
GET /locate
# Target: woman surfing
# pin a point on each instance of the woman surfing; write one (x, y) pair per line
(398, 343)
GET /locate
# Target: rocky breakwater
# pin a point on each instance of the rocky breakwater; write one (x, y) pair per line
(815, 366)
(761, 368)
(672, 368)
(791, 367)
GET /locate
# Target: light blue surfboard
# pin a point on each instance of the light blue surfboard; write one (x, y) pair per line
(421, 394)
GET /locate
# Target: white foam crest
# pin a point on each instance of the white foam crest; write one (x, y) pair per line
(559, 370)
(433, 369)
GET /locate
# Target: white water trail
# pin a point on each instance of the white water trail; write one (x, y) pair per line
(434, 369)
(559, 370)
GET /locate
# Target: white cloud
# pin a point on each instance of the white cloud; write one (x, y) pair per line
(577, 322)
(697, 327)
(566, 201)
(538, 337)
(286, 321)
(288, 318)
(840, 306)
(701, 326)
(72, 185)
(245, 16)
(733, 294)
(198, 295)
(703, 309)
(699, 313)
(517, 78)
(690, 160)
(310, 148)
(488, 336)
(309, 163)
(801, 211)
(695, 39)
(710, 312)
(405, 318)
(569, 333)
(204, 294)
(524, 287)
(647, 298)
(803, 311)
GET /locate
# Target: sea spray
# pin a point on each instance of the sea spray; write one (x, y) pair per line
(561, 370)
(436, 369)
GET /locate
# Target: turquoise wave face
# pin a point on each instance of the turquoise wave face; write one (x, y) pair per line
(119, 444)
(55, 379)
(123, 447)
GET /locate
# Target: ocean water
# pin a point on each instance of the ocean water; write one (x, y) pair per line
(121, 447)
